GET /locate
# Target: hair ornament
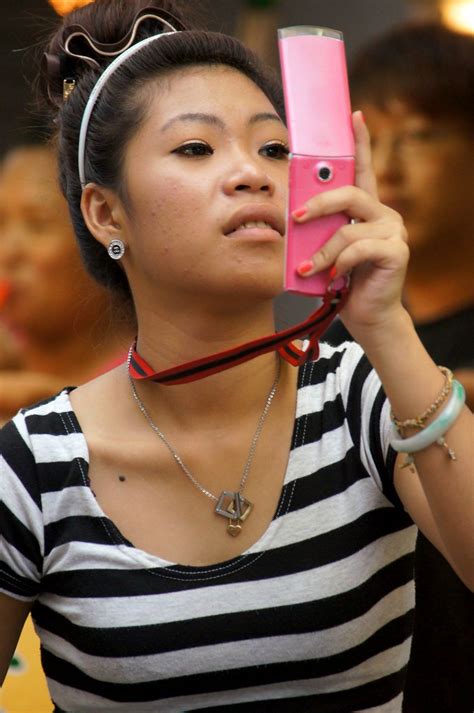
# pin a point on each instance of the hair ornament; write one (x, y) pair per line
(79, 45)
(79, 41)
(68, 87)
(120, 55)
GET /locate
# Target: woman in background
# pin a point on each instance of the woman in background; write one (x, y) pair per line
(61, 323)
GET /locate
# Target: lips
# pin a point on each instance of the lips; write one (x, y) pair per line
(5, 291)
(255, 218)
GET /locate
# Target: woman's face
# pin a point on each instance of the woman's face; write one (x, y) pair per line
(425, 171)
(45, 290)
(206, 182)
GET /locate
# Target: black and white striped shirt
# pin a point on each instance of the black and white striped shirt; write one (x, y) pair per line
(315, 616)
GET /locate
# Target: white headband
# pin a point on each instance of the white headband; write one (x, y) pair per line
(94, 95)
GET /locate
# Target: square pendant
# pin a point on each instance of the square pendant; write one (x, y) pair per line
(233, 506)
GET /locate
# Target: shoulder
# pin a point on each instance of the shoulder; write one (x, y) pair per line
(335, 365)
(37, 434)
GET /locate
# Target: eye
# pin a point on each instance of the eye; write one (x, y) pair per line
(275, 149)
(194, 149)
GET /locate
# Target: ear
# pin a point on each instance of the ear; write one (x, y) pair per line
(103, 213)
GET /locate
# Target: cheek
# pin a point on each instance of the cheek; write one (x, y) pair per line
(170, 220)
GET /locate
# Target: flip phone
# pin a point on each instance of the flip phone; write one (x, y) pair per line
(318, 113)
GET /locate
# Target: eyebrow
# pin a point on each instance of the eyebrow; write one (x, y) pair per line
(214, 120)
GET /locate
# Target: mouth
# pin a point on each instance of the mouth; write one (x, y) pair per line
(257, 223)
(5, 292)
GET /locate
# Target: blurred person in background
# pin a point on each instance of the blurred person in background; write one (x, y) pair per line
(415, 86)
(55, 326)
(57, 319)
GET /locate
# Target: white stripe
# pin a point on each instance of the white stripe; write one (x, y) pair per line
(330, 448)
(73, 501)
(55, 449)
(77, 556)
(235, 654)
(60, 404)
(321, 517)
(328, 580)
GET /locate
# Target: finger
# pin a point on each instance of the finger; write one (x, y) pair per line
(388, 254)
(364, 172)
(353, 201)
(328, 255)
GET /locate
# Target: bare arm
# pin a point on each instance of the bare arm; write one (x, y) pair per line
(13, 615)
(374, 250)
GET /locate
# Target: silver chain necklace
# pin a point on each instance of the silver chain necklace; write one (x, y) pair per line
(231, 505)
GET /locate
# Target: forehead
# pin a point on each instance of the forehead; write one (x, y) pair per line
(207, 89)
(29, 177)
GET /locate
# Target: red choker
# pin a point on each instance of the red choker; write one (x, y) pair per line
(312, 328)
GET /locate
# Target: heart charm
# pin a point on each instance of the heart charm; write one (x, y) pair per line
(234, 528)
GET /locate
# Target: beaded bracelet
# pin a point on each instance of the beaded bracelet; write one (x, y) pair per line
(419, 421)
(434, 432)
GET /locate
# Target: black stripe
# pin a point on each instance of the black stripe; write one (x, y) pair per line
(50, 424)
(15, 584)
(20, 459)
(317, 372)
(375, 445)
(59, 475)
(392, 634)
(354, 399)
(99, 530)
(302, 556)
(328, 481)
(19, 537)
(310, 427)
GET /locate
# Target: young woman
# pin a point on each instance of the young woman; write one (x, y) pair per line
(243, 539)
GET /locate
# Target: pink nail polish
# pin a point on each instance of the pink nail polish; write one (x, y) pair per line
(299, 212)
(333, 273)
(305, 267)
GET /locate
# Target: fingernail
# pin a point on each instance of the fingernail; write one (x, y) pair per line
(305, 267)
(333, 273)
(299, 212)
(362, 116)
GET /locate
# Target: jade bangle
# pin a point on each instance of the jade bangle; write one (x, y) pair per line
(436, 429)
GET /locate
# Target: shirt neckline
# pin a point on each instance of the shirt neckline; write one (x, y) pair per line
(165, 568)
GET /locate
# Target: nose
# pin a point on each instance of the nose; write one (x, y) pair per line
(246, 174)
(11, 245)
(386, 159)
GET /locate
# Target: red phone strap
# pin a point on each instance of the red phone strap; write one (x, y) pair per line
(312, 328)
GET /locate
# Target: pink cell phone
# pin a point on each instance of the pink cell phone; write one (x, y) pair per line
(318, 112)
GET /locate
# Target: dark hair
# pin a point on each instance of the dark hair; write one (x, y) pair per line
(427, 65)
(121, 106)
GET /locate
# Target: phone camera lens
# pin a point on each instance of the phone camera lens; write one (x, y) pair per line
(324, 173)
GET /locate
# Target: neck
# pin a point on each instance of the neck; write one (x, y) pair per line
(433, 291)
(187, 337)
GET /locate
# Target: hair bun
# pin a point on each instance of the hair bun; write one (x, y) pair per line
(106, 29)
